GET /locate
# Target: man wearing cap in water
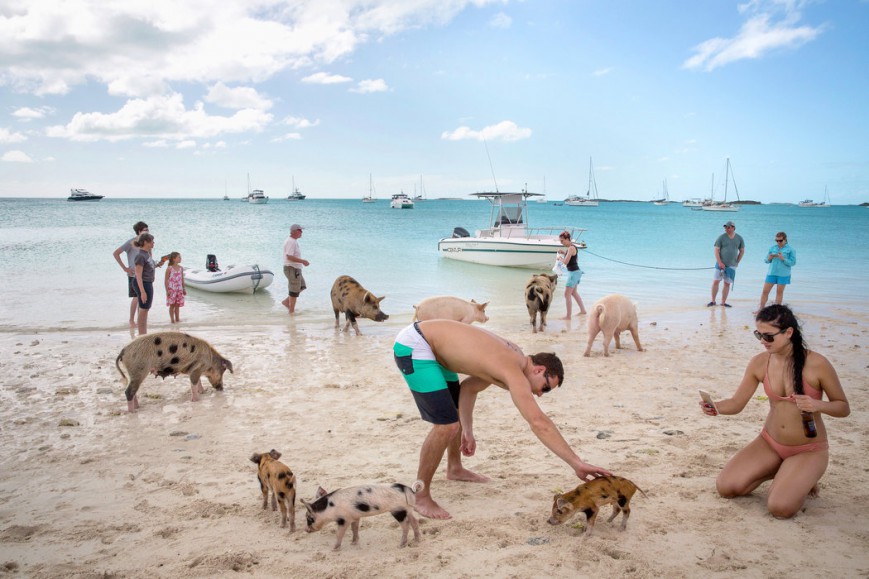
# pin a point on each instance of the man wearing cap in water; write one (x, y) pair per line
(293, 263)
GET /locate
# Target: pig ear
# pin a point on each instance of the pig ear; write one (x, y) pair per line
(274, 454)
(255, 458)
(227, 365)
(561, 503)
(307, 505)
(321, 492)
(380, 299)
(483, 305)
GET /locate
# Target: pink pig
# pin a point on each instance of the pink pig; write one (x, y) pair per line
(450, 308)
(612, 315)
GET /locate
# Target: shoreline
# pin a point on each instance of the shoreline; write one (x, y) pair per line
(169, 491)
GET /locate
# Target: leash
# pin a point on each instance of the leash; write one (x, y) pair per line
(646, 266)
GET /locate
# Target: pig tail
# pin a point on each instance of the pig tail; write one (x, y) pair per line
(783, 318)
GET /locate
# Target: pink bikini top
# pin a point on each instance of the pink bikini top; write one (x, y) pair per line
(808, 389)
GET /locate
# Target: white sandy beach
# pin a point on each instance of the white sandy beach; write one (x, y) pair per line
(170, 492)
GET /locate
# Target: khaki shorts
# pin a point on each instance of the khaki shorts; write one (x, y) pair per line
(295, 280)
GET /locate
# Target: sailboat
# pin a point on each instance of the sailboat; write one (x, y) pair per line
(421, 196)
(810, 203)
(370, 198)
(724, 205)
(542, 198)
(590, 199)
(665, 199)
(296, 195)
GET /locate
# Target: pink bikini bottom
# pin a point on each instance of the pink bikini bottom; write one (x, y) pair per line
(784, 451)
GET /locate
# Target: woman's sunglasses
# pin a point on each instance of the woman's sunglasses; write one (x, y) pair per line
(768, 338)
(779, 240)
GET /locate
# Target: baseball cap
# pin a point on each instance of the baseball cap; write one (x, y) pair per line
(295, 227)
(728, 224)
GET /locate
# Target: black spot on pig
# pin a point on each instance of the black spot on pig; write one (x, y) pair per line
(399, 515)
(174, 360)
(173, 348)
(159, 353)
(363, 507)
(158, 341)
(340, 521)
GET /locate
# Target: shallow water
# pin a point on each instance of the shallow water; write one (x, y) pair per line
(57, 270)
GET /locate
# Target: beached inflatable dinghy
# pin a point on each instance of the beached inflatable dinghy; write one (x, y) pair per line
(234, 278)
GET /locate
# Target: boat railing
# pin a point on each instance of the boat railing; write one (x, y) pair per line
(520, 231)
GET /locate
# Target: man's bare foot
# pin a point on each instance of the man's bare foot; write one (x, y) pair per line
(426, 507)
(565, 318)
(466, 475)
(286, 303)
(582, 313)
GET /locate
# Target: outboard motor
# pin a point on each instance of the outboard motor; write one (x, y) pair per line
(460, 232)
(211, 262)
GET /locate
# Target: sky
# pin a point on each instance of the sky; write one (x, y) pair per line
(196, 98)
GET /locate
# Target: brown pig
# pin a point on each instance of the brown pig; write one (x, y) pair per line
(277, 477)
(451, 308)
(169, 354)
(350, 297)
(589, 497)
(612, 315)
(538, 297)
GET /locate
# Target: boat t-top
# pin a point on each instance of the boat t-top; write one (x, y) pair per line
(509, 241)
(82, 195)
(296, 195)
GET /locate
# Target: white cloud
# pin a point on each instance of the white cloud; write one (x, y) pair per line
(7, 136)
(300, 123)
(188, 144)
(771, 26)
(370, 85)
(288, 137)
(29, 114)
(237, 98)
(16, 157)
(602, 71)
(501, 20)
(158, 118)
(503, 131)
(324, 78)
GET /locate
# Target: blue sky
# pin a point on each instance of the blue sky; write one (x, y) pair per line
(178, 98)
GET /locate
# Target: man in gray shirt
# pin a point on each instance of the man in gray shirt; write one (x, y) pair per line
(729, 249)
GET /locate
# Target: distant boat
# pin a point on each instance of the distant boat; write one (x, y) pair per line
(542, 198)
(296, 195)
(724, 205)
(693, 202)
(810, 203)
(665, 199)
(225, 193)
(590, 199)
(371, 198)
(421, 196)
(401, 201)
(257, 196)
(83, 195)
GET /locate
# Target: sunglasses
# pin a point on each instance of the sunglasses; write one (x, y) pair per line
(768, 338)
(779, 240)
(546, 387)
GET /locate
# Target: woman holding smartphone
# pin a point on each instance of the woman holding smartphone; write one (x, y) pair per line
(792, 448)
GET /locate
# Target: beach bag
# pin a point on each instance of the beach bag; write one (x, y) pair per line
(559, 268)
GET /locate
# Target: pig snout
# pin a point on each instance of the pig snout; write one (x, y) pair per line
(381, 317)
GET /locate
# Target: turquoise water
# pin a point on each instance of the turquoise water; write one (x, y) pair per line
(57, 269)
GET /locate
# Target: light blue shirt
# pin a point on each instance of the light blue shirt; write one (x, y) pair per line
(778, 267)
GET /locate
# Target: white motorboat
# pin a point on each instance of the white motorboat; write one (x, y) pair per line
(246, 279)
(257, 197)
(296, 195)
(401, 201)
(811, 203)
(693, 202)
(509, 242)
(82, 195)
(724, 205)
(590, 199)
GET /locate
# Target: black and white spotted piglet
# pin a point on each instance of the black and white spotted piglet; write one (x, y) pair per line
(347, 506)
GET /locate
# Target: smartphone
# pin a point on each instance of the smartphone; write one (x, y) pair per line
(707, 398)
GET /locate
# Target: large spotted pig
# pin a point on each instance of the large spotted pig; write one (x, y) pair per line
(347, 506)
(168, 354)
(451, 308)
(355, 301)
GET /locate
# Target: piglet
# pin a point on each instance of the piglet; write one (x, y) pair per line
(276, 478)
(612, 315)
(351, 504)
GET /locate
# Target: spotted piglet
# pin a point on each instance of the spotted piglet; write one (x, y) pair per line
(277, 478)
(351, 504)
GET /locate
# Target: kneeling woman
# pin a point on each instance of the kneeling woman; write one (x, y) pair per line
(790, 453)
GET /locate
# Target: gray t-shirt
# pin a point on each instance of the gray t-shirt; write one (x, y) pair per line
(144, 259)
(131, 251)
(729, 248)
